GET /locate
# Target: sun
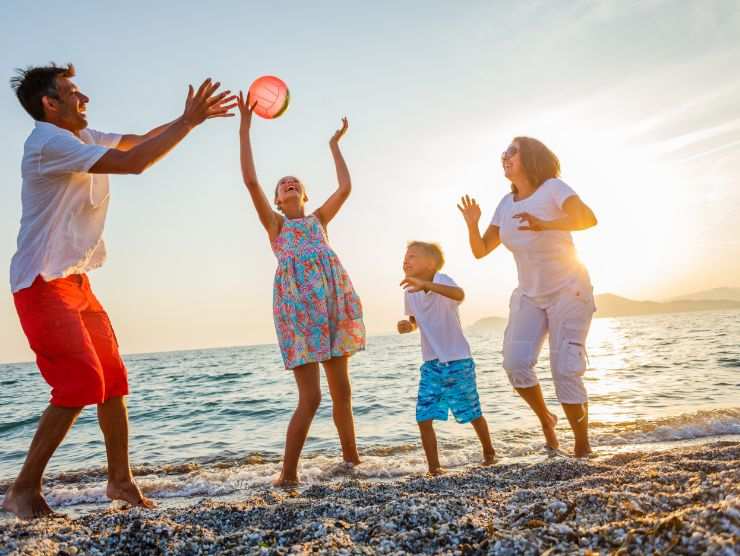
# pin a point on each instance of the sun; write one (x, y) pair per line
(634, 195)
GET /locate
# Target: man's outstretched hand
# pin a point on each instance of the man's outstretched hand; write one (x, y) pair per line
(204, 103)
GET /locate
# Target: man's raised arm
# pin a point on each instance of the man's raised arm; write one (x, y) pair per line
(130, 140)
(199, 106)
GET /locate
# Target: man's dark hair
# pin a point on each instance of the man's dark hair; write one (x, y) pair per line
(34, 83)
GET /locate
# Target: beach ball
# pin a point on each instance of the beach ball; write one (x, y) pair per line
(271, 94)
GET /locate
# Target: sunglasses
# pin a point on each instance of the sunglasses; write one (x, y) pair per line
(511, 151)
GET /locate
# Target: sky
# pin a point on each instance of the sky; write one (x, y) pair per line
(637, 99)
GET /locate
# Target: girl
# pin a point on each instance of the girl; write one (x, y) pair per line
(554, 295)
(318, 315)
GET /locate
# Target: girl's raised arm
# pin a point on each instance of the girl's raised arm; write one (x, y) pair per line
(331, 206)
(270, 219)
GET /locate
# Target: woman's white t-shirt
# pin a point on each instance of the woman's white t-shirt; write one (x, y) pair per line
(546, 261)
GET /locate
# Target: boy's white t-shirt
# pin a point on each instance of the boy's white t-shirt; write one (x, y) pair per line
(439, 325)
(546, 260)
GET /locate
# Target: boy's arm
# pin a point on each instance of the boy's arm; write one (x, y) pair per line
(416, 285)
(453, 292)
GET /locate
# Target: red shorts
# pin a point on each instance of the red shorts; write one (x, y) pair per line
(76, 348)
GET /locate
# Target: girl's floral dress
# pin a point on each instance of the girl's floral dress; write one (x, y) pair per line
(317, 313)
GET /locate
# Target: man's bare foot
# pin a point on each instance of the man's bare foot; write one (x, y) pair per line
(129, 492)
(27, 504)
(437, 471)
(489, 459)
(548, 428)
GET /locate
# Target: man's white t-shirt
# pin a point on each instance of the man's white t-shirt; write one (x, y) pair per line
(439, 325)
(547, 260)
(63, 206)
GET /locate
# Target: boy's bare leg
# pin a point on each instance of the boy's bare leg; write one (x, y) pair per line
(578, 418)
(340, 390)
(429, 441)
(309, 398)
(24, 497)
(481, 429)
(533, 397)
(113, 421)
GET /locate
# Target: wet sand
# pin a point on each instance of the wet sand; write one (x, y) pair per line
(681, 501)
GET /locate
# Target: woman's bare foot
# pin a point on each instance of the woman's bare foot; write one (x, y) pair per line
(548, 428)
(437, 471)
(27, 504)
(489, 459)
(129, 492)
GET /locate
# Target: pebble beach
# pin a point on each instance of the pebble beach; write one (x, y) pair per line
(677, 501)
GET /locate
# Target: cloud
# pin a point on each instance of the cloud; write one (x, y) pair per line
(696, 136)
(724, 147)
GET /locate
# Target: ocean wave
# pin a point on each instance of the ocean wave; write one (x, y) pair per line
(232, 476)
(686, 426)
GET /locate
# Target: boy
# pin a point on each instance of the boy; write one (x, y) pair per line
(448, 374)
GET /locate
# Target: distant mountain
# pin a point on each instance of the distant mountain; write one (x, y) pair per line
(486, 326)
(610, 305)
(716, 294)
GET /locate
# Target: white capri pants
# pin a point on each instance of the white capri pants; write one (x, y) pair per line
(566, 317)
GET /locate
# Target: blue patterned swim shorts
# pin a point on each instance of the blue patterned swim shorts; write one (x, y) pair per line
(448, 386)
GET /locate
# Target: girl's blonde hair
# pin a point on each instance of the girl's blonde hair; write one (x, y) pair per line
(432, 250)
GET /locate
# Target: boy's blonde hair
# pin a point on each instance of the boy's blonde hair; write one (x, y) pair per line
(432, 250)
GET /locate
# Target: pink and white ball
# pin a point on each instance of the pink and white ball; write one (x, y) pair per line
(272, 96)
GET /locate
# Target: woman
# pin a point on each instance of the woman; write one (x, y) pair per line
(554, 296)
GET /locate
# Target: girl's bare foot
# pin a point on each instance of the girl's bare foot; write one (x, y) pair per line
(489, 459)
(548, 428)
(437, 471)
(582, 451)
(27, 504)
(286, 482)
(129, 492)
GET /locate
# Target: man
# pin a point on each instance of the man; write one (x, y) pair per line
(64, 201)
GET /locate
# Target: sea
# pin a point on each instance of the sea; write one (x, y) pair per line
(211, 422)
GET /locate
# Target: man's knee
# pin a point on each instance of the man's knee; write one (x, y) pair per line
(87, 392)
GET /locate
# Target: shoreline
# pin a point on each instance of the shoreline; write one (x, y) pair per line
(684, 499)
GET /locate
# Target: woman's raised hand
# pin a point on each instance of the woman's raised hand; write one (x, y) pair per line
(338, 134)
(470, 210)
(246, 110)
